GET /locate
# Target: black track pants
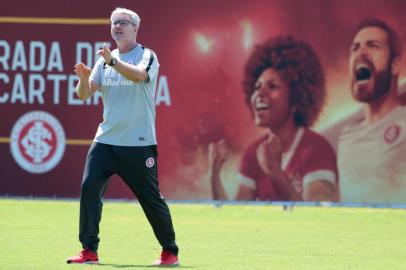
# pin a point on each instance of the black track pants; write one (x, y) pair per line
(138, 167)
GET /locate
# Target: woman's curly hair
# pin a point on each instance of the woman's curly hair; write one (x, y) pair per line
(299, 67)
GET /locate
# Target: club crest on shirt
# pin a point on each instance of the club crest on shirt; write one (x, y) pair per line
(150, 162)
(296, 182)
(392, 133)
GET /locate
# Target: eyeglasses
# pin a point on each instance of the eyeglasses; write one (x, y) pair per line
(121, 23)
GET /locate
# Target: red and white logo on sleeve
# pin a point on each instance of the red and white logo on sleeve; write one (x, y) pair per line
(37, 142)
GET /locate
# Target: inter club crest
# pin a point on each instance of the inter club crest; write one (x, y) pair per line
(150, 162)
(37, 142)
(392, 133)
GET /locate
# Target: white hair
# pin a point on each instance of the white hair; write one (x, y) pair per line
(135, 19)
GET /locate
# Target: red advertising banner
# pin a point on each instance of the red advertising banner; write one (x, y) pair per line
(203, 48)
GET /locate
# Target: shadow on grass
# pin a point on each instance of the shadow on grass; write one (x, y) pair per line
(143, 266)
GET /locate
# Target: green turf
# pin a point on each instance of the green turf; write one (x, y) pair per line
(37, 234)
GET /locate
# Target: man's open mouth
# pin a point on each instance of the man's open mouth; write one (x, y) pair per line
(363, 72)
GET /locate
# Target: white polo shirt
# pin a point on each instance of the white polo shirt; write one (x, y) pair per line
(372, 160)
(129, 107)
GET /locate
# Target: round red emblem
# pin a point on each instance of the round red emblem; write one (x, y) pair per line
(392, 133)
(37, 142)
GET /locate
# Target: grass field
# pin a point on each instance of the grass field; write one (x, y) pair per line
(40, 234)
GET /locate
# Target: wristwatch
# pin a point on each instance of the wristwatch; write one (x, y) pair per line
(112, 62)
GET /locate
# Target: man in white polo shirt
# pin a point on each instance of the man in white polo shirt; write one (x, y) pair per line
(125, 143)
(371, 149)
